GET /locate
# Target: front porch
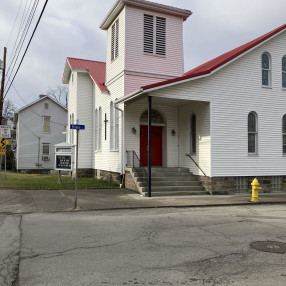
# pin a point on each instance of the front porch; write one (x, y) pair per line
(177, 127)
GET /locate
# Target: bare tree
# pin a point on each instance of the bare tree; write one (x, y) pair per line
(9, 108)
(60, 94)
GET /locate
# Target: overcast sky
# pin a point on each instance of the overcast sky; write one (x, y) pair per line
(70, 28)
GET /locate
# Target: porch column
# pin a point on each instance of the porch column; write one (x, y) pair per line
(149, 144)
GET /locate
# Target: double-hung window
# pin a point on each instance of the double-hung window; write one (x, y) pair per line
(266, 71)
(111, 126)
(284, 134)
(114, 40)
(154, 35)
(252, 133)
(193, 134)
(46, 124)
(284, 72)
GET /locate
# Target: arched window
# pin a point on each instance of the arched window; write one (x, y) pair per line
(284, 72)
(284, 133)
(99, 127)
(111, 126)
(116, 129)
(193, 134)
(96, 130)
(156, 117)
(252, 133)
(266, 71)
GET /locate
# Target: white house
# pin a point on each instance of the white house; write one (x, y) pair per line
(228, 115)
(40, 125)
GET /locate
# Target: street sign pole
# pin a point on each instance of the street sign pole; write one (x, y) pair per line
(5, 158)
(76, 167)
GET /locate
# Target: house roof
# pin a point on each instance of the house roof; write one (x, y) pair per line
(212, 65)
(95, 69)
(119, 5)
(38, 100)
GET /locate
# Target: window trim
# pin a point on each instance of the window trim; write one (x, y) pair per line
(193, 134)
(116, 123)
(255, 153)
(96, 130)
(49, 148)
(264, 69)
(283, 134)
(111, 125)
(155, 39)
(48, 126)
(99, 148)
(283, 72)
(114, 41)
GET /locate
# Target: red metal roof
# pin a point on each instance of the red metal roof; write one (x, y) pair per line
(212, 65)
(96, 70)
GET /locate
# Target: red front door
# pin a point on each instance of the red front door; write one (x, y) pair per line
(156, 151)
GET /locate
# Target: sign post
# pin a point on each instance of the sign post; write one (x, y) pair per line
(5, 132)
(77, 127)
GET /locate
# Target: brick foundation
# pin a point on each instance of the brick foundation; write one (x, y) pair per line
(110, 176)
(226, 185)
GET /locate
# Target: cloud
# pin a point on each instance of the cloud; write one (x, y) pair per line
(71, 28)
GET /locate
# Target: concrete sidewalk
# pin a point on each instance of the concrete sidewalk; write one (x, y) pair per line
(31, 201)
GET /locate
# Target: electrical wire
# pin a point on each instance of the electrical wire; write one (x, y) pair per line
(14, 23)
(22, 39)
(39, 19)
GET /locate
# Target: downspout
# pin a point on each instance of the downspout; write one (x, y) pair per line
(122, 143)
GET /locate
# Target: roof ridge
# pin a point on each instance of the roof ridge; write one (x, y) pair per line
(86, 60)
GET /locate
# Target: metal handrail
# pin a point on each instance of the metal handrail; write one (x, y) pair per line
(134, 162)
(188, 155)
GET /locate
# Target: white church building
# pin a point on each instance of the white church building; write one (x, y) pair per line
(213, 128)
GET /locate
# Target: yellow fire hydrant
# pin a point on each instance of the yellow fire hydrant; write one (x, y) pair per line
(255, 189)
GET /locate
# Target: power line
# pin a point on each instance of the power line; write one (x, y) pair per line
(14, 23)
(27, 46)
(20, 28)
(35, 112)
(23, 38)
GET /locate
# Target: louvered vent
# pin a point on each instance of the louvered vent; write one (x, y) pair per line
(148, 34)
(117, 36)
(114, 40)
(160, 36)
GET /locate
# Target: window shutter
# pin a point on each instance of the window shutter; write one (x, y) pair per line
(112, 41)
(160, 36)
(116, 38)
(148, 34)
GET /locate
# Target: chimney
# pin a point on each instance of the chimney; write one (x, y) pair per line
(42, 95)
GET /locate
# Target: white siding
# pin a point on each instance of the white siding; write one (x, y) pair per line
(106, 159)
(30, 130)
(238, 92)
(115, 67)
(202, 156)
(85, 116)
(136, 60)
(133, 113)
(234, 91)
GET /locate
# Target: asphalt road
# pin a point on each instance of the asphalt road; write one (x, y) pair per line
(187, 246)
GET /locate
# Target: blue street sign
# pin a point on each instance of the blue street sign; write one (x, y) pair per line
(77, 126)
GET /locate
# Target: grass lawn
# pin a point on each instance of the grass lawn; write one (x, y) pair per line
(38, 181)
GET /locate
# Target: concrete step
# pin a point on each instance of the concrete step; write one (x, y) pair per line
(169, 169)
(173, 183)
(173, 188)
(177, 193)
(170, 179)
(170, 174)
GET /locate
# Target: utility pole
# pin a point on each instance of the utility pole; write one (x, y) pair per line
(2, 85)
